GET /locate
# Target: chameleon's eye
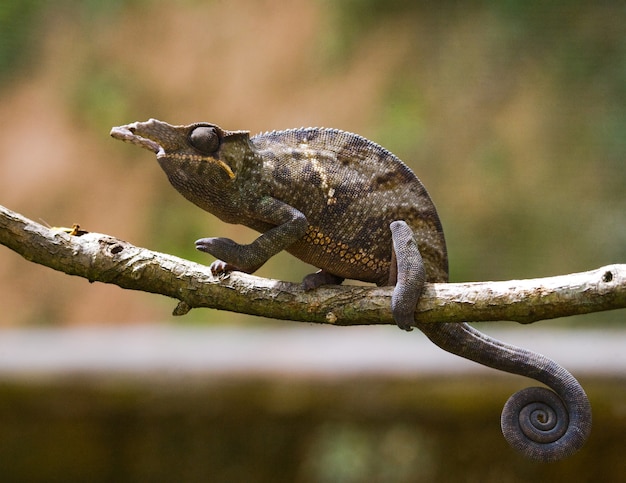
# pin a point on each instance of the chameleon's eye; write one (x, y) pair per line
(205, 139)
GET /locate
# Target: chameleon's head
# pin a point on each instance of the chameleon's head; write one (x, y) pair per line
(201, 146)
(199, 159)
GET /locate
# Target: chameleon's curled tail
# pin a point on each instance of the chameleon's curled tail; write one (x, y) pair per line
(541, 424)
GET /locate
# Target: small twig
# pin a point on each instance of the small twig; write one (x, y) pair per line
(103, 258)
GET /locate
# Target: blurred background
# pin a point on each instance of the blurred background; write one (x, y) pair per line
(512, 113)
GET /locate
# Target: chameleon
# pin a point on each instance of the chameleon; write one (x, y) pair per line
(352, 209)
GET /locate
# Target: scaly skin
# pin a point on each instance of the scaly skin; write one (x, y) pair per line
(351, 208)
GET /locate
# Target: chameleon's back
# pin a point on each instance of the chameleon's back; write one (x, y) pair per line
(350, 189)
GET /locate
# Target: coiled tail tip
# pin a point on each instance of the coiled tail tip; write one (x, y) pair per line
(536, 422)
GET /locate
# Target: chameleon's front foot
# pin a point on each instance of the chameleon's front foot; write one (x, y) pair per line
(219, 267)
(230, 255)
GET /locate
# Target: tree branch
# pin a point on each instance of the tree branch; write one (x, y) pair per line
(103, 258)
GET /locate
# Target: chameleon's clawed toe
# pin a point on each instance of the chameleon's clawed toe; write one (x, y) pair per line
(219, 267)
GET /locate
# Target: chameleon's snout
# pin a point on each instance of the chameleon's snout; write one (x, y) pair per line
(129, 133)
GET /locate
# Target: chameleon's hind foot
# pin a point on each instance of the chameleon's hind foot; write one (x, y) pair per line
(319, 278)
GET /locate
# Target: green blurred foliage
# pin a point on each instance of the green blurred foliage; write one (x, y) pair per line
(19, 21)
(102, 97)
(97, 92)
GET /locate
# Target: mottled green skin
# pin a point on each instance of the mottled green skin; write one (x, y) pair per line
(346, 205)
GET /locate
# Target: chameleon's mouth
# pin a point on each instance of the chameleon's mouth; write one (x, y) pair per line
(127, 134)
